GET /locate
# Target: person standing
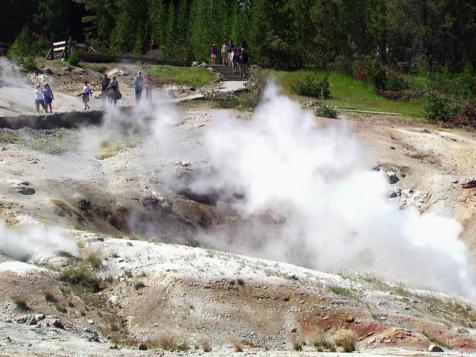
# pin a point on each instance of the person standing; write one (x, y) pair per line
(113, 90)
(149, 86)
(104, 88)
(138, 86)
(85, 94)
(39, 99)
(48, 97)
(213, 54)
(224, 53)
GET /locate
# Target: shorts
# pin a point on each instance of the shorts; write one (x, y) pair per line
(213, 56)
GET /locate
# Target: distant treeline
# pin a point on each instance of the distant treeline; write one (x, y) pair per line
(277, 33)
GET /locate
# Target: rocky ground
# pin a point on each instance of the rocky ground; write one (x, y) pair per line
(137, 292)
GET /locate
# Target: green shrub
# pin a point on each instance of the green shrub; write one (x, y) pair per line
(437, 108)
(49, 297)
(395, 82)
(28, 64)
(223, 99)
(73, 59)
(21, 47)
(256, 84)
(321, 109)
(20, 303)
(312, 86)
(80, 275)
(94, 259)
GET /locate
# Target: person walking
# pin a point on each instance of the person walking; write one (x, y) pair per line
(234, 65)
(85, 94)
(48, 97)
(213, 54)
(149, 87)
(105, 95)
(138, 86)
(231, 48)
(243, 62)
(224, 53)
(39, 99)
(113, 90)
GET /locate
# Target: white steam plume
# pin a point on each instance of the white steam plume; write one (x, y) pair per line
(311, 198)
(33, 242)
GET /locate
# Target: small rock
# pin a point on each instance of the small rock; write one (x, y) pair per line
(40, 317)
(143, 347)
(350, 319)
(22, 319)
(25, 189)
(32, 321)
(91, 322)
(8, 321)
(58, 323)
(435, 348)
(294, 330)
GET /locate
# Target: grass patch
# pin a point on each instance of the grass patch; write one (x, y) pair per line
(236, 343)
(139, 285)
(49, 297)
(98, 67)
(20, 303)
(435, 339)
(320, 341)
(346, 339)
(94, 259)
(193, 76)
(205, 343)
(7, 138)
(169, 341)
(349, 93)
(80, 275)
(54, 144)
(338, 290)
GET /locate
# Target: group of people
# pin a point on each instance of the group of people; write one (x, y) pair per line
(109, 92)
(231, 55)
(110, 89)
(141, 83)
(44, 98)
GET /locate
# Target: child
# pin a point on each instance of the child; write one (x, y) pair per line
(48, 97)
(39, 99)
(85, 94)
(213, 54)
